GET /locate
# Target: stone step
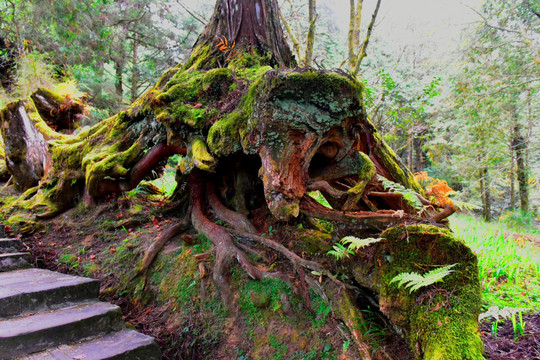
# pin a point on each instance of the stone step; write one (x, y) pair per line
(122, 345)
(32, 333)
(14, 261)
(10, 245)
(33, 290)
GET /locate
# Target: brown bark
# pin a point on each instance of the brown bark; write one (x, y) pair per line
(251, 25)
(118, 79)
(61, 113)
(520, 147)
(25, 147)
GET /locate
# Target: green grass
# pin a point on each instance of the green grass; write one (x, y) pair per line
(508, 261)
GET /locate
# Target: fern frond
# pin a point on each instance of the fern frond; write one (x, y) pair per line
(353, 243)
(339, 251)
(410, 196)
(465, 206)
(504, 313)
(415, 281)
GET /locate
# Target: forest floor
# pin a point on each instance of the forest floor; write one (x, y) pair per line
(71, 244)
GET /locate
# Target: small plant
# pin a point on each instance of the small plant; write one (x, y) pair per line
(339, 251)
(506, 313)
(355, 243)
(410, 196)
(349, 244)
(415, 281)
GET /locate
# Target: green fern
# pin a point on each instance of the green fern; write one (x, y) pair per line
(409, 195)
(465, 206)
(340, 251)
(353, 243)
(415, 281)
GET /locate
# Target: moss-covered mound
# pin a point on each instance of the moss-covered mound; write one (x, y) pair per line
(440, 321)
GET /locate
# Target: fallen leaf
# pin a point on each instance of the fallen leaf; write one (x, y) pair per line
(202, 270)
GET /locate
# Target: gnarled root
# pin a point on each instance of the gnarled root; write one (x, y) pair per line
(225, 250)
(160, 241)
(231, 217)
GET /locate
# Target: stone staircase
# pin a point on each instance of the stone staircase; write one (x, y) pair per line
(45, 315)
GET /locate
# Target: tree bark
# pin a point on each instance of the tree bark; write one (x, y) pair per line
(485, 193)
(135, 68)
(61, 113)
(520, 147)
(118, 79)
(25, 148)
(250, 27)
(310, 41)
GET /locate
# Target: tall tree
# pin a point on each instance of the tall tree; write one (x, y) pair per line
(499, 72)
(256, 137)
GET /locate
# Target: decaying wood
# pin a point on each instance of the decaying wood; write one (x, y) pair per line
(60, 113)
(26, 153)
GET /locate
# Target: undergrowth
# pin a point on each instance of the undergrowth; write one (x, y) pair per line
(508, 260)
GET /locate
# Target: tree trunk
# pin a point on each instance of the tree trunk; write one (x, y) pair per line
(485, 193)
(249, 27)
(118, 79)
(418, 156)
(363, 49)
(512, 178)
(355, 20)
(26, 152)
(310, 41)
(270, 136)
(135, 68)
(520, 147)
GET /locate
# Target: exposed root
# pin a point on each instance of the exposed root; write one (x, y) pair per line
(291, 256)
(231, 217)
(160, 241)
(225, 250)
(350, 315)
(448, 210)
(146, 164)
(325, 187)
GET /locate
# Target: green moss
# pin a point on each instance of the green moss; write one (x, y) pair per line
(197, 156)
(449, 331)
(224, 135)
(216, 82)
(185, 86)
(313, 242)
(272, 289)
(24, 224)
(391, 162)
(202, 57)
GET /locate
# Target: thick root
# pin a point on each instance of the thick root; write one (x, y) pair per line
(231, 217)
(160, 241)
